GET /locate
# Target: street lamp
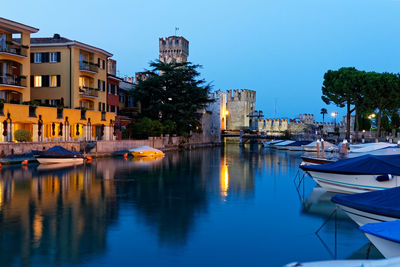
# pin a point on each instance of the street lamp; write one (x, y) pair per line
(334, 115)
(371, 117)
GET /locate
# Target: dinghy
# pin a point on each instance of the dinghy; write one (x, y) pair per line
(58, 154)
(146, 151)
(385, 236)
(371, 207)
(357, 175)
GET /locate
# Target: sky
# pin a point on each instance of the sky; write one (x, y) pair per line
(281, 48)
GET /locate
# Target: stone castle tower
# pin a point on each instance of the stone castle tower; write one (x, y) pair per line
(173, 49)
(239, 103)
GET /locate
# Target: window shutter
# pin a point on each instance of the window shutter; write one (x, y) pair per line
(104, 86)
(45, 57)
(58, 80)
(45, 81)
(58, 56)
(32, 81)
(32, 57)
(99, 106)
(99, 84)
(98, 62)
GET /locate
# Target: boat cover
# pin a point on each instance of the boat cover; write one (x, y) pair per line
(367, 164)
(284, 143)
(381, 202)
(298, 143)
(369, 147)
(143, 148)
(59, 151)
(327, 145)
(386, 230)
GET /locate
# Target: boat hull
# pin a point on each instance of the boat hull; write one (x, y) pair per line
(362, 217)
(60, 160)
(388, 248)
(351, 183)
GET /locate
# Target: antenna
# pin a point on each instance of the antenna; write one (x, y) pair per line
(176, 29)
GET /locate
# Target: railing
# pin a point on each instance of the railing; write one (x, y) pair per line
(16, 49)
(88, 66)
(87, 91)
(10, 79)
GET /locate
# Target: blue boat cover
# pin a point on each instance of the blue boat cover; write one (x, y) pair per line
(381, 202)
(58, 151)
(367, 164)
(386, 230)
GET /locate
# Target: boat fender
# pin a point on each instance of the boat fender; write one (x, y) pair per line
(25, 162)
(89, 158)
(384, 177)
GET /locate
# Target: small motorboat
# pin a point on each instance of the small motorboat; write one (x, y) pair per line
(146, 151)
(58, 154)
(370, 147)
(281, 145)
(371, 207)
(296, 146)
(357, 175)
(385, 236)
(316, 160)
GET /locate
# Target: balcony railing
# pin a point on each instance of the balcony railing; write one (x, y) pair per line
(10, 79)
(87, 91)
(16, 49)
(88, 66)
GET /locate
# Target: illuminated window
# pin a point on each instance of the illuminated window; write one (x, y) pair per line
(83, 82)
(38, 81)
(53, 81)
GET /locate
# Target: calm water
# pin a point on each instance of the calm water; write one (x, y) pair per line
(226, 206)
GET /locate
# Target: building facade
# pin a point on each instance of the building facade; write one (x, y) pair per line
(68, 73)
(173, 49)
(15, 61)
(112, 87)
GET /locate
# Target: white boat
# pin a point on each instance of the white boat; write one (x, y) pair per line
(146, 151)
(58, 154)
(269, 143)
(385, 236)
(371, 207)
(281, 145)
(357, 175)
(348, 263)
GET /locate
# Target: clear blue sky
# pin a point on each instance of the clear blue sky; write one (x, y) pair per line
(279, 48)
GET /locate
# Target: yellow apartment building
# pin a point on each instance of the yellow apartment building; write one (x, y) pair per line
(69, 73)
(14, 61)
(56, 71)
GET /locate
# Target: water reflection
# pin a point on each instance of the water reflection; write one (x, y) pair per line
(69, 214)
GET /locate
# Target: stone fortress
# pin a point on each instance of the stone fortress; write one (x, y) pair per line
(239, 104)
(173, 49)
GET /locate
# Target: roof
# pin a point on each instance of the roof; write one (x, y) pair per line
(15, 27)
(58, 40)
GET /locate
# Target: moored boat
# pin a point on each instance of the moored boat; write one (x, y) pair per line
(371, 207)
(58, 154)
(316, 160)
(313, 147)
(348, 263)
(146, 151)
(385, 236)
(357, 175)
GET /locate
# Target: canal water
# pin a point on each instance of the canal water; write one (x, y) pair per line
(228, 206)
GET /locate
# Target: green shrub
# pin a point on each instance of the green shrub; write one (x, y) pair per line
(23, 135)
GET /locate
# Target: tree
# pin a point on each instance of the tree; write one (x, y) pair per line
(395, 120)
(323, 112)
(382, 94)
(342, 88)
(173, 92)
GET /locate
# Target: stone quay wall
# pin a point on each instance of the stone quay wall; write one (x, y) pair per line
(108, 147)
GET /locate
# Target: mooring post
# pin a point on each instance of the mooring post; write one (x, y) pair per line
(241, 137)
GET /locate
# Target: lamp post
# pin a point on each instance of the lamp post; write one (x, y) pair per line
(371, 117)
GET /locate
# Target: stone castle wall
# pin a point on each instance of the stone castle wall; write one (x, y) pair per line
(239, 103)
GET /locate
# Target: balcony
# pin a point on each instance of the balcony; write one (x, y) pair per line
(13, 80)
(14, 49)
(88, 67)
(88, 92)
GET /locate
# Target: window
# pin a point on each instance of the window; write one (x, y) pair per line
(99, 85)
(104, 86)
(98, 62)
(99, 106)
(38, 57)
(53, 57)
(104, 64)
(82, 82)
(104, 107)
(38, 81)
(112, 108)
(53, 81)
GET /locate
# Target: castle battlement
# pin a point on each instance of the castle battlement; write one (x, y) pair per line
(173, 49)
(241, 95)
